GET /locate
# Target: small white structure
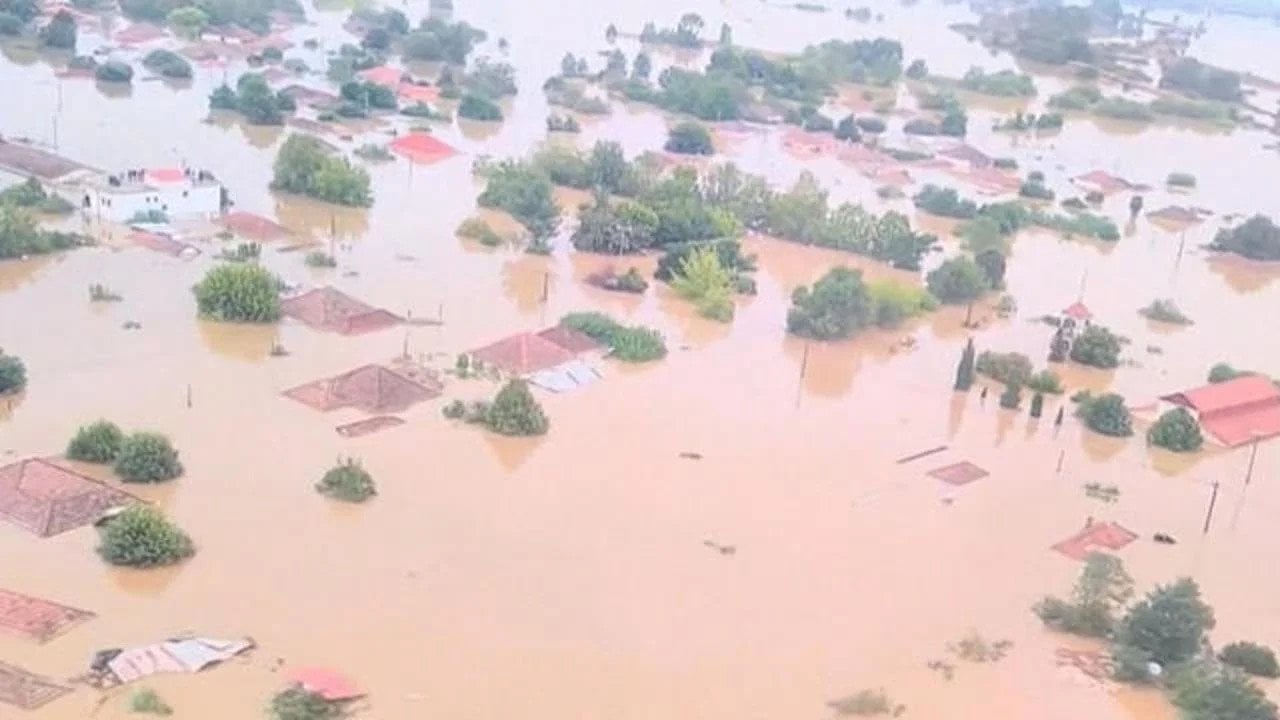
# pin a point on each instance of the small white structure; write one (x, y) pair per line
(176, 192)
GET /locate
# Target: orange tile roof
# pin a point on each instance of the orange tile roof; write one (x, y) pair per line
(523, 354)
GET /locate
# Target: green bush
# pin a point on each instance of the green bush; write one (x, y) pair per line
(629, 344)
(1222, 372)
(147, 702)
(895, 301)
(99, 442)
(13, 374)
(1257, 238)
(1007, 368)
(476, 107)
(836, 307)
(1005, 83)
(1045, 381)
(113, 71)
(1169, 624)
(141, 537)
(1107, 415)
(1097, 347)
(239, 293)
(297, 703)
(1011, 398)
(167, 63)
(320, 259)
(1207, 692)
(59, 32)
(347, 481)
(689, 138)
(146, 457)
(957, 281)
(1176, 430)
(945, 202)
(524, 191)
(1181, 180)
(514, 411)
(1252, 658)
(1165, 311)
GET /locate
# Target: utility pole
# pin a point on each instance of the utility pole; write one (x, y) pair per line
(1208, 515)
(1253, 455)
(804, 361)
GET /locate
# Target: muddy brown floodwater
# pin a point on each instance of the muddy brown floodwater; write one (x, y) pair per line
(567, 576)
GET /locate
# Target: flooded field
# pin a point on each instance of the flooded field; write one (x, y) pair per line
(569, 576)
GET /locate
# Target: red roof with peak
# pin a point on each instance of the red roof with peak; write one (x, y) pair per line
(166, 175)
(523, 354)
(421, 147)
(1077, 311)
(382, 75)
(1237, 411)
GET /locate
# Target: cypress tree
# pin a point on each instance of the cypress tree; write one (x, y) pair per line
(1037, 404)
(964, 371)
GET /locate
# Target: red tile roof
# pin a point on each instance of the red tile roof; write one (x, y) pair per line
(570, 339)
(1234, 395)
(523, 354)
(48, 499)
(1077, 311)
(372, 388)
(330, 309)
(1094, 538)
(325, 682)
(382, 75)
(421, 147)
(166, 175)
(1237, 411)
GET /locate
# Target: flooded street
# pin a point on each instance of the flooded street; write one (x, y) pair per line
(567, 576)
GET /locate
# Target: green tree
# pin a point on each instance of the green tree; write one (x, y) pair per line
(957, 281)
(1252, 658)
(1008, 367)
(1135, 206)
(347, 481)
(1222, 372)
(60, 32)
(620, 228)
(142, 537)
(993, 265)
(304, 165)
(98, 442)
(1169, 624)
(525, 192)
(965, 370)
(242, 292)
(13, 374)
(188, 21)
(607, 167)
(1011, 398)
(726, 35)
(146, 457)
(690, 138)
(847, 130)
(479, 108)
(1107, 415)
(167, 63)
(514, 411)
(1205, 692)
(1037, 404)
(1102, 590)
(298, 703)
(704, 281)
(113, 71)
(1176, 430)
(1257, 238)
(1096, 346)
(641, 66)
(917, 70)
(836, 307)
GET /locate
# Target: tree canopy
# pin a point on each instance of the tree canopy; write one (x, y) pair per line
(140, 536)
(514, 411)
(1096, 346)
(1169, 624)
(304, 165)
(241, 292)
(957, 281)
(59, 32)
(1176, 430)
(13, 373)
(1107, 415)
(1257, 238)
(524, 191)
(836, 307)
(690, 138)
(146, 457)
(1101, 592)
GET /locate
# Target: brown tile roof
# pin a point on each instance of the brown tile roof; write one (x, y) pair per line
(523, 354)
(330, 309)
(48, 499)
(372, 388)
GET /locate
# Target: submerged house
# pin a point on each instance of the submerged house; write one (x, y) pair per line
(556, 359)
(1235, 412)
(119, 197)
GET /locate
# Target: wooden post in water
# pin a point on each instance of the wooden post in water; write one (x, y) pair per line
(546, 285)
(1208, 515)
(1253, 455)
(188, 395)
(804, 361)
(1061, 455)
(440, 314)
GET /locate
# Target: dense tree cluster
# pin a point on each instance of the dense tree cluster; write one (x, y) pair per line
(1257, 238)
(689, 138)
(1096, 346)
(167, 63)
(957, 281)
(524, 191)
(254, 99)
(945, 202)
(1004, 83)
(306, 166)
(253, 15)
(20, 235)
(59, 32)
(438, 40)
(687, 33)
(837, 306)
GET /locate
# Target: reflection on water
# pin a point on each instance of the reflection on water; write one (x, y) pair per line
(250, 343)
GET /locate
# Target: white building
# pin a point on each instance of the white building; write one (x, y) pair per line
(123, 196)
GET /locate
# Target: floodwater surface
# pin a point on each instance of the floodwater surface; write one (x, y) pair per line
(569, 576)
